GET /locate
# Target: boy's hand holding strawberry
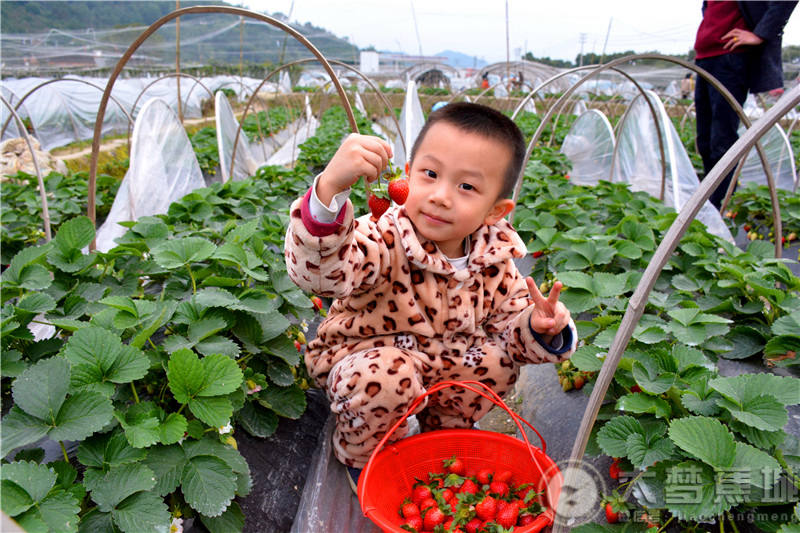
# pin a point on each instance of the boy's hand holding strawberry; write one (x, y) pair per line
(359, 155)
(549, 316)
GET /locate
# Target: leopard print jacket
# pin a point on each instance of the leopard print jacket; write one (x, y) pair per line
(394, 288)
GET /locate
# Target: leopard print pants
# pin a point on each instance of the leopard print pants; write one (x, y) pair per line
(371, 390)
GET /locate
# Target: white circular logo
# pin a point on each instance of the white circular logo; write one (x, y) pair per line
(582, 492)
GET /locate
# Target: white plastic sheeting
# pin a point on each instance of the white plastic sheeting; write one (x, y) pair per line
(780, 158)
(589, 146)
(163, 169)
(637, 161)
(411, 121)
(245, 163)
(65, 111)
(295, 134)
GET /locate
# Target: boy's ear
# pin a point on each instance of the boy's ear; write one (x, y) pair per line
(501, 209)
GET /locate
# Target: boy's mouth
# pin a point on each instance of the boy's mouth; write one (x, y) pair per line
(433, 218)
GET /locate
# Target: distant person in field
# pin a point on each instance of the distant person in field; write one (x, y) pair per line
(687, 85)
(739, 43)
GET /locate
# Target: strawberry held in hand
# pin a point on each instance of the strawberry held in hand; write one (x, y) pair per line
(378, 205)
(398, 190)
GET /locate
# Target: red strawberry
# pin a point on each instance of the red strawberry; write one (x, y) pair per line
(420, 493)
(398, 190)
(427, 503)
(455, 466)
(486, 509)
(433, 517)
(537, 254)
(579, 381)
(448, 495)
(469, 487)
(317, 301)
(611, 516)
(507, 516)
(503, 476)
(298, 346)
(473, 525)
(496, 487)
(414, 523)
(409, 509)
(378, 205)
(525, 519)
(614, 469)
(484, 476)
(636, 388)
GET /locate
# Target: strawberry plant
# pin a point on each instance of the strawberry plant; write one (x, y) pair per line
(751, 208)
(668, 409)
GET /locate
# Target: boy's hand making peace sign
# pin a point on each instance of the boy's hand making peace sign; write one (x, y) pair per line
(549, 316)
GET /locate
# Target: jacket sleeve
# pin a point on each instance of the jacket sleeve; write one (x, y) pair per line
(774, 19)
(511, 325)
(332, 260)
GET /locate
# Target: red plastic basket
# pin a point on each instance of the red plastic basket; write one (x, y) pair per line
(389, 475)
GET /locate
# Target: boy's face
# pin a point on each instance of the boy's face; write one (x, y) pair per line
(455, 180)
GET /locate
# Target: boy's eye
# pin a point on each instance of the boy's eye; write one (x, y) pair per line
(430, 173)
(467, 187)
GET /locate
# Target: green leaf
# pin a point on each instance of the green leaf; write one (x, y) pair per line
(692, 492)
(747, 386)
(58, 511)
(75, 234)
(98, 356)
(257, 420)
(231, 520)
(178, 253)
(167, 463)
(787, 325)
(762, 412)
(219, 345)
(172, 428)
(215, 411)
(700, 398)
(141, 424)
(761, 468)
(644, 452)
(640, 403)
(280, 373)
(107, 450)
(288, 402)
(650, 380)
(205, 328)
(613, 436)
(704, 438)
(19, 429)
(120, 482)
(81, 415)
(587, 358)
(35, 480)
(42, 388)
(142, 511)
(36, 302)
(746, 341)
(208, 484)
(14, 498)
(190, 377)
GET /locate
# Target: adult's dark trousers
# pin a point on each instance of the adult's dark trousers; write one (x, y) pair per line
(717, 121)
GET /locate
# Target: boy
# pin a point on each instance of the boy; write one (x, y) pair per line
(429, 291)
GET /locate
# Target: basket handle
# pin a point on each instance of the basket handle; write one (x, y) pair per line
(489, 394)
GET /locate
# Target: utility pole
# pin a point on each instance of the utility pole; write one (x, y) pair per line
(582, 37)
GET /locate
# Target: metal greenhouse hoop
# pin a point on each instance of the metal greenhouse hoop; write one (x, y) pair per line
(660, 258)
(91, 211)
(700, 72)
(309, 60)
(42, 192)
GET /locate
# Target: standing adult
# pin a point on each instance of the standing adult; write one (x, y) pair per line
(739, 43)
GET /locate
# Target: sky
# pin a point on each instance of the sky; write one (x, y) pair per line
(551, 28)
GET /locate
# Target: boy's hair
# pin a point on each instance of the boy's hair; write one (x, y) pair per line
(486, 122)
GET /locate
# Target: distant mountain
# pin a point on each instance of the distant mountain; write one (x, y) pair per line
(459, 60)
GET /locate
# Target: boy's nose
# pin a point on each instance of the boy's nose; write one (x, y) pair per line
(440, 195)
